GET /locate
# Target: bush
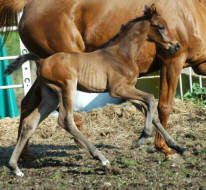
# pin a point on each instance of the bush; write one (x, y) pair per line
(198, 96)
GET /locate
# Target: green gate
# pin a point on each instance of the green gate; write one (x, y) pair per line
(8, 105)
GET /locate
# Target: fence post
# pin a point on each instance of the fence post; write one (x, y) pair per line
(26, 71)
(190, 78)
(181, 90)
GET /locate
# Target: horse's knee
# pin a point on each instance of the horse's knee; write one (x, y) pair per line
(164, 112)
(28, 127)
(150, 101)
(79, 124)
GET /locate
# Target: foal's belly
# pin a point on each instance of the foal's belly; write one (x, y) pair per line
(95, 82)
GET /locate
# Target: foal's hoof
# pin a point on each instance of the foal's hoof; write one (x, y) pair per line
(18, 173)
(179, 149)
(140, 141)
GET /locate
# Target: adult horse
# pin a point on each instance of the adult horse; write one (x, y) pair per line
(51, 26)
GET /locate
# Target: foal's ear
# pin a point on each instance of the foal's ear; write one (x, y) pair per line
(150, 11)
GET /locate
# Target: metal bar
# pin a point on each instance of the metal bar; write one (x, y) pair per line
(11, 86)
(190, 78)
(181, 90)
(149, 77)
(200, 81)
(10, 28)
(26, 72)
(8, 58)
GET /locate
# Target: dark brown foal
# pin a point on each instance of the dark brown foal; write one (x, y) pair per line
(111, 69)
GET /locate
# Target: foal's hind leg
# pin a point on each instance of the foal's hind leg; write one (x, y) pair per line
(138, 98)
(48, 103)
(28, 104)
(67, 122)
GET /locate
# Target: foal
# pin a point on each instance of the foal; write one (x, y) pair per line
(111, 69)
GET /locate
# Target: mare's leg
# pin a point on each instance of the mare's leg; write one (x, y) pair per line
(170, 71)
(200, 69)
(49, 102)
(67, 122)
(137, 97)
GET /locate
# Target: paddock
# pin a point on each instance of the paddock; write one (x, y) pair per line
(60, 164)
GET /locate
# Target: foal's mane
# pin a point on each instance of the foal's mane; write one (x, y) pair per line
(148, 13)
(123, 29)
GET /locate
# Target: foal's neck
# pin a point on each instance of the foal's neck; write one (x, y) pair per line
(133, 39)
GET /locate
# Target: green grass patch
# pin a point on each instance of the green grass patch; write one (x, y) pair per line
(198, 96)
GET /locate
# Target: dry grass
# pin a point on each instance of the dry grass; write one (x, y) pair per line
(113, 129)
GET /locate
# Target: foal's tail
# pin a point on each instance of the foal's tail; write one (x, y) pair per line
(19, 62)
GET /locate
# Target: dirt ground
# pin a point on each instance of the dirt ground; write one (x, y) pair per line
(114, 129)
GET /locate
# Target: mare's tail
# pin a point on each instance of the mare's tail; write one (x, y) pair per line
(19, 62)
(8, 13)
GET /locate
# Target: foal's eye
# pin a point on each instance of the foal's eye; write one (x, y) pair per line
(160, 27)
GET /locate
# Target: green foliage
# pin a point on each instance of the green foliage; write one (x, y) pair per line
(198, 96)
(12, 44)
(13, 48)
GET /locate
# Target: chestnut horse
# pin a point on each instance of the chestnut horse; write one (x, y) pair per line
(52, 26)
(111, 69)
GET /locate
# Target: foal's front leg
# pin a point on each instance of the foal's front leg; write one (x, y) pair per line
(138, 98)
(67, 122)
(131, 93)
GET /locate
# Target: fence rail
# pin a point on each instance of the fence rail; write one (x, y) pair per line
(8, 58)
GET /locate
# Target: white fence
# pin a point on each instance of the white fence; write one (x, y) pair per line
(26, 74)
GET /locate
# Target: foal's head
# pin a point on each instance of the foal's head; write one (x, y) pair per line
(159, 31)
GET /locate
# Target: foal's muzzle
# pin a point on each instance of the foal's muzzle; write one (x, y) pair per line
(174, 48)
